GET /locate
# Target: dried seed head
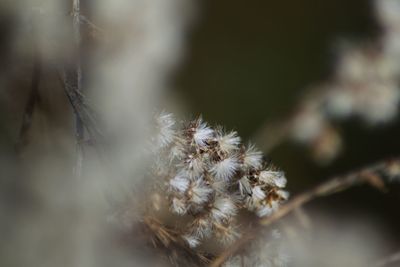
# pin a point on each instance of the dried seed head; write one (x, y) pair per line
(210, 176)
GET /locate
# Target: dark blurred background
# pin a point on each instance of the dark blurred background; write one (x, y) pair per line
(248, 63)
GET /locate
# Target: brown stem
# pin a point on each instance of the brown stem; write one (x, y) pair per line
(336, 184)
(95, 30)
(170, 240)
(272, 135)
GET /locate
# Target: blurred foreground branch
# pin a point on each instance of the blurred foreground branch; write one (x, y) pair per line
(372, 174)
(389, 260)
(30, 104)
(79, 128)
(95, 30)
(81, 109)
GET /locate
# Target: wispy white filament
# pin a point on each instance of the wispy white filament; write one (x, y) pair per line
(225, 169)
(276, 178)
(252, 158)
(202, 227)
(283, 194)
(166, 124)
(180, 182)
(179, 206)
(191, 240)
(202, 134)
(200, 192)
(244, 186)
(265, 211)
(228, 143)
(258, 193)
(223, 209)
(196, 165)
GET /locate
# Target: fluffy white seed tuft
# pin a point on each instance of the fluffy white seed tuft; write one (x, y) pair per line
(180, 182)
(225, 169)
(179, 206)
(258, 193)
(200, 192)
(201, 227)
(264, 211)
(252, 158)
(202, 134)
(283, 194)
(223, 209)
(229, 143)
(165, 123)
(276, 178)
(268, 209)
(244, 187)
(227, 235)
(195, 165)
(191, 240)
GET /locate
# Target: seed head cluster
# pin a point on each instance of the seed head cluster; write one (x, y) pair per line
(209, 177)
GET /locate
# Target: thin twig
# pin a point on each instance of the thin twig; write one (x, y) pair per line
(368, 174)
(303, 218)
(95, 30)
(331, 186)
(79, 105)
(272, 134)
(165, 238)
(86, 115)
(30, 104)
(79, 130)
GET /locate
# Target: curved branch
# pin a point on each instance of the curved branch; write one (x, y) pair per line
(371, 174)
